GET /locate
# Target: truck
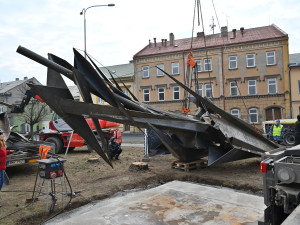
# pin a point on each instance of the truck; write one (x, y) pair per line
(58, 132)
(28, 150)
(289, 127)
(281, 179)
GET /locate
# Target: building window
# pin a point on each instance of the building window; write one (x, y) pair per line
(176, 93)
(100, 101)
(252, 87)
(207, 65)
(146, 95)
(253, 114)
(1, 108)
(175, 68)
(299, 86)
(161, 94)
(233, 89)
(199, 65)
(25, 128)
(159, 72)
(272, 86)
(208, 90)
(232, 62)
(199, 89)
(145, 71)
(250, 60)
(235, 112)
(271, 60)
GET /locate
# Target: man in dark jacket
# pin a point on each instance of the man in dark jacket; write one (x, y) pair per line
(114, 148)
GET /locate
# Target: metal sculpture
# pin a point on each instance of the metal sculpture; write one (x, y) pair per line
(210, 132)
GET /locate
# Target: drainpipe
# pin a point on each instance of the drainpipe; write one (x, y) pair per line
(183, 68)
(223, 80)
(291, 107)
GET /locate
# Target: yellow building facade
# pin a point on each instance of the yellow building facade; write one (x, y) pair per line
(244, 72)
(294, 74)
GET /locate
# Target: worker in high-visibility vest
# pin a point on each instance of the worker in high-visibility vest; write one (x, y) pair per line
(276, 132)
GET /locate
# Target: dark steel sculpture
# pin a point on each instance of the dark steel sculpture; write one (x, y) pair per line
(210, 132)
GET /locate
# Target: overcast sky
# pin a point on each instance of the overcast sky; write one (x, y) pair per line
(115, 34)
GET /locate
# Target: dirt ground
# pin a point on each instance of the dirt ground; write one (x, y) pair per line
(95, 181)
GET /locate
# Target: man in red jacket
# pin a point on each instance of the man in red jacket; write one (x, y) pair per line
(3, 153)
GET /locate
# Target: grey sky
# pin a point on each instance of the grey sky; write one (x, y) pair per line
(115, 34)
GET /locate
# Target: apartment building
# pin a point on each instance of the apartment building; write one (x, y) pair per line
(244, 72)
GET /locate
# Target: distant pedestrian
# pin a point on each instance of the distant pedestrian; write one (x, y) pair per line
(297, 131)
(276, 132)
(3, 153)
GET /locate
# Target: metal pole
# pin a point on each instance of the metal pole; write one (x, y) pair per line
(69, 143)
(83, 12)
(146, 154)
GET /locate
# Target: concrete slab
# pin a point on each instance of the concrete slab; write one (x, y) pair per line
(172, 203)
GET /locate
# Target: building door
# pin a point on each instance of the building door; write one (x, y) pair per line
(273, 113)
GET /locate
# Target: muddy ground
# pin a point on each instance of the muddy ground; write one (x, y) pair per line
(95, 181)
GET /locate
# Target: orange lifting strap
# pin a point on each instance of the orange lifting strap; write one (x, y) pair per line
(44, 151)
(185, 110)
(190, 61)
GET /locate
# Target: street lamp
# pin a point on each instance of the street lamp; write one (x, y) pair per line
(83, 12)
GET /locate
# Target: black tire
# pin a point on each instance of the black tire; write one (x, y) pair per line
(58, 144)
(70, 149)
(289, 139)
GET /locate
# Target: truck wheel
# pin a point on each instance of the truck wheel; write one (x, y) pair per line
(289, 139)
(58, 144)
(70, 149)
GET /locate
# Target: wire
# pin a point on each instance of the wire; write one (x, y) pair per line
(34, 199)
(199, 5)
(243, 100)
(193, 24)
(71, 194)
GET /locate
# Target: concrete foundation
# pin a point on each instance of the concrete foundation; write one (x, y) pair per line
(172, 203)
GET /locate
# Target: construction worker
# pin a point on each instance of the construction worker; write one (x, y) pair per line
(276, 132)
(114, 148)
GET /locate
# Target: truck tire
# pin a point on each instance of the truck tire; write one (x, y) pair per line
(58, 144)
(70, 149)
(289, 139)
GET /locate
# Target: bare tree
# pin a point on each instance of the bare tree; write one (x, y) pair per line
(34, 112)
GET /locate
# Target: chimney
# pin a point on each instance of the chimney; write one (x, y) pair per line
(166, 42)
(149, 43)
(25, 78)
(154, 42)
(172, 37)
(233, 33)
(162, 42)
(200, 34)
(224, 31)
(17, 79)
(242, 31)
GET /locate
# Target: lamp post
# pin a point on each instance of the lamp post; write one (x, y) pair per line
(83, 12)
